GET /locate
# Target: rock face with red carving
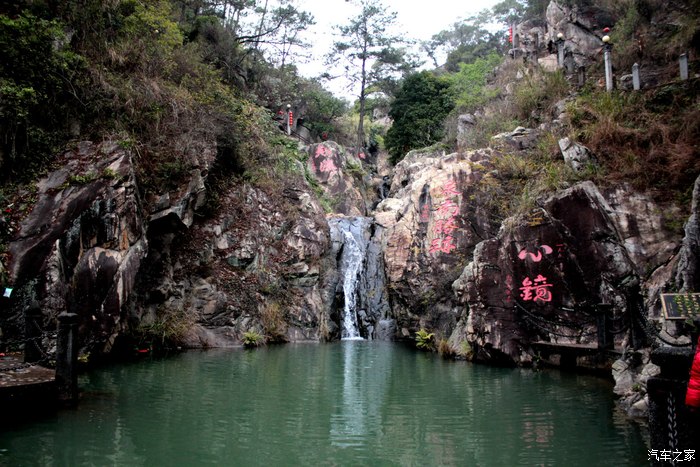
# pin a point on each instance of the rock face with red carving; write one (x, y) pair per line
(540, 277)
(433, 220)
(340, 174)
(545, 276)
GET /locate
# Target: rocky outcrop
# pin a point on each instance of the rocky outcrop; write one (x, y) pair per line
(157, 271)
(465, 125)
(542, 277)
(260, 265)
(529, 38)
(81, 247)
(519, 139)
(432, 222)
(644, 227)
(581, 28)
(575, 155)
(687, 276)
(340, 175)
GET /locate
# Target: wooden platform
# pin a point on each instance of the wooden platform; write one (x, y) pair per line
(26, 391)
(555, 347)
(24, 388)
(586, 357)
(14, 372)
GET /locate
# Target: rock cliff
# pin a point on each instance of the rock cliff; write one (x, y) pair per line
(142, 273)
(425, 247)
(81, 247)
(432, 220)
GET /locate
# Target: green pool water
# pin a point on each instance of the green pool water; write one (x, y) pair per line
(347, 403)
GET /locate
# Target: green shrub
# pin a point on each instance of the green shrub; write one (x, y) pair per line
(425, 340)
(486, 127)
(252, 339)
(469, 84)
(647, 139)
(272, 317)
(445, 349)
(167, 328)
(535, 94)
(39, 75)
(149, 38)
(465, 350)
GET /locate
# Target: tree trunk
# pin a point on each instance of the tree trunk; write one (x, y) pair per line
(260, 25)
(361, 126)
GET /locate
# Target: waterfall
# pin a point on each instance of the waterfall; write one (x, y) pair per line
(361, 276)
(352, 259)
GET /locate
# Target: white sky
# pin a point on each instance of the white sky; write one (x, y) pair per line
(419, 20)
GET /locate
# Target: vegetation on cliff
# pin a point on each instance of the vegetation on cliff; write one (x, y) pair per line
(165, 79)
(648, 138)
(159, 76)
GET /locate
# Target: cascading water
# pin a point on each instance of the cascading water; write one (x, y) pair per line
(361, 276)
(352, 260)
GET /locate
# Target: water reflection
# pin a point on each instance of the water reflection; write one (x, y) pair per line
(349, 403)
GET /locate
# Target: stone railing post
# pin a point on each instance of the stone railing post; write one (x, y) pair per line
(683, 63)
(636, 81)
(581, 76)
(67, 358)
(607, 49)
(560, 50)
(672, 426)
(33, 326)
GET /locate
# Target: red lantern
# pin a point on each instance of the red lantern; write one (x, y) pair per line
(291, 118)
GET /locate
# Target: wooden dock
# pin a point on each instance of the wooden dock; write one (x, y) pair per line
(23, 384)
(576, 356)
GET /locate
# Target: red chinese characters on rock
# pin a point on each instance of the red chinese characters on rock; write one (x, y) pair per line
(450, 189)
(537, 290)
(447, 209)
(325, 165)
(446, 222)
(442, 244)
(537, 256)
(445, 226)
(322, 151)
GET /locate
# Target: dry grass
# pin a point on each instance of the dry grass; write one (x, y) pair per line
(274, 325)
(445, 350)
(648, 139)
